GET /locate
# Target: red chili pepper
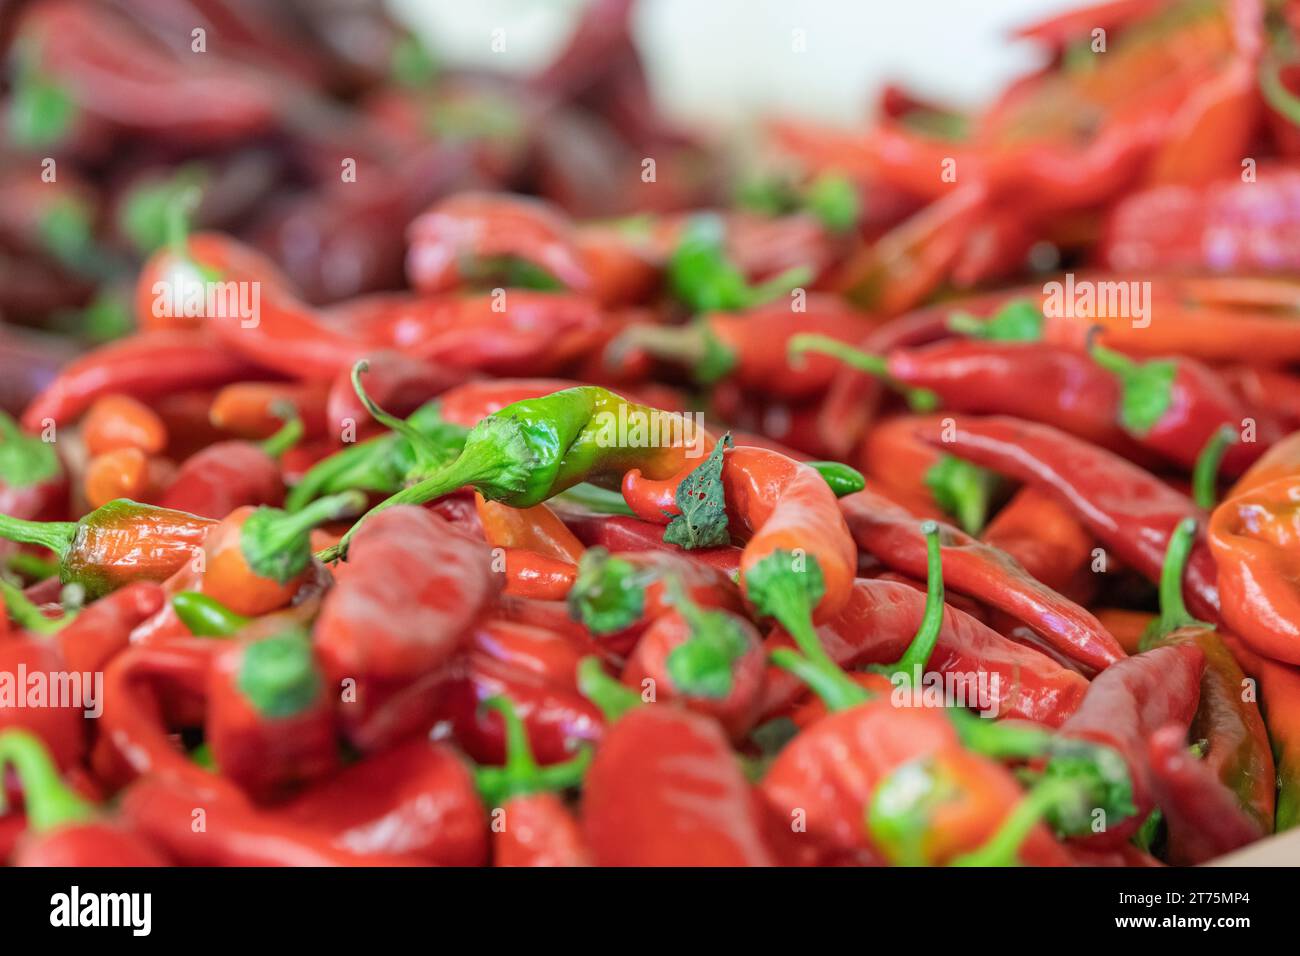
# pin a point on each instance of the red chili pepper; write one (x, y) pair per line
(220, 478)
(617, 597)
(64, 829)
(414, 798)
(1203, 816)
(103, 628)
(1174, 406)
(751, 347)
(982, 572)
(531, 824)
(59, 724)
(120, 421)
(623, 535)
(115, 544)
(877, 626)
(146, 366)
(507, 332)
(270, 719)
(1129, 511)
(665, 790)
(256, 559)
(1279, 694)
(712, 661)
(256, 410)
(400, 552)
(33, 485)
(1228, 720)
(1047, 541)
(1124, 706)
(113, 73)
(133, 738)
(202, 826)
(1227, 226)
(472, 236)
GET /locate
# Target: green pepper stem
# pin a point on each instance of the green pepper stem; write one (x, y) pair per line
(465, 470)
(521, 774)
(919, 399)
(178, 221)
(1173, 610)
(1205, 475)
(47, 800)
(779, 284)
(918, 653)
(963, 323)
(55, 535)
(284, 530)
(278, 675)
(28, 615)
(680, 344)
(1112, 361)
(1003, 848)
(997, 739)
(417, 439)
(290, 432)
(347, 463)
(613, 698)
(32, 566)
(835, 688)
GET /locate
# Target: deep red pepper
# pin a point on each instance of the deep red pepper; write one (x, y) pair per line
(666, 790)
(619, 535)
(198, 825)
(64, 829)
(1124, 706)
(414, 798)
(1129, 510)
(147, 366)
(530, 823)
(474, 232)
(982, 572)
(270, 719)
(400, 554)
(877, 626)
(220, 478)
(1045, 540)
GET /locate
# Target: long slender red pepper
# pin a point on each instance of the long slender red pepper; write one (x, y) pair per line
(982, 572)
(1129, 510)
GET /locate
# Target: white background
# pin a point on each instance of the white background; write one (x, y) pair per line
(724, 61)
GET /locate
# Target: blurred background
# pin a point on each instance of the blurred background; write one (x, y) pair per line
(732, 60)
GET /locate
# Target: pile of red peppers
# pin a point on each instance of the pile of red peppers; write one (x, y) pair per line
(410, 466)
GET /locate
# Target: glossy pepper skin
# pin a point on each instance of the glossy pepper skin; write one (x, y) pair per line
(416, 798)
(1252, 537)
(1278, 685)
(709, 661)
(63, 829)
(1204, 818)
(270, 719)
(1124, 706)
(878, 624)
(619, 596)
(233, 831)
(1236, 744)
(665, 789)
(1129, 510)
(225, 476)
(975, 569)
(778, 505)
(403, 553)
(145, 366)
(1046, 540)
(117, 543)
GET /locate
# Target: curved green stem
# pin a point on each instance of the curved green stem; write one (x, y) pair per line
(521, 775)
(962, 489)
(998, 739)
(1173, 609)
(55, 535)
(47, 800)
(613, 698)
(289, 434)
(1205, 475)
(918, 653)
(919, 399)
(692, 346)
(401, 426)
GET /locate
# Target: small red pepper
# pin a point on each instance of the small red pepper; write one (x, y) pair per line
(530, 823)
(64, 829)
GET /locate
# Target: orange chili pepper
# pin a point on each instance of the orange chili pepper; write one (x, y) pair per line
(127, 473)
(120, 421)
